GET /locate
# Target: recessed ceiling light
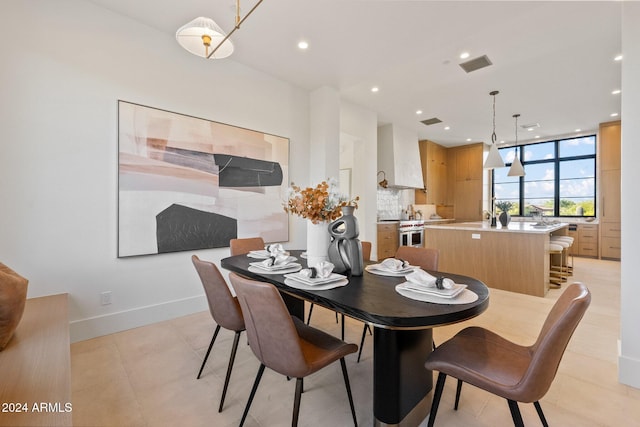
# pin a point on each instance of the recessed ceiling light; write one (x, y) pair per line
(419, 112)
(537, 136)
(529, 129)
(578, 130)
(468, 139)
(464, 55)
(502, 141)
(303, 45)
(614, 114)
(616, 92)
(374, 89)
(447, 127)
(618, 58)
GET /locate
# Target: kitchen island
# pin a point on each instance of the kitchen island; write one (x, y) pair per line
(513, 258)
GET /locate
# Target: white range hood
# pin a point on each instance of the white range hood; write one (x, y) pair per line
(399, 157)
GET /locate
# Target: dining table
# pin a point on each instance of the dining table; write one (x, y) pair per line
(402, 330)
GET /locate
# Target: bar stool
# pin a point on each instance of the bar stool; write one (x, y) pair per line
(568, 240)
(557, 273)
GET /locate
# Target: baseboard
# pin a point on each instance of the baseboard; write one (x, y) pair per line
(629, 371)
(92, 327)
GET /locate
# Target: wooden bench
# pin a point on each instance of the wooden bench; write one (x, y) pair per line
(35, 367)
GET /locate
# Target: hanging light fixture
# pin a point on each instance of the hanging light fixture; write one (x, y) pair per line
(199, 35)
(493, 159)
(516, 166)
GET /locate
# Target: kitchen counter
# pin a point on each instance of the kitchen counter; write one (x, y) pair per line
(513, 258)
(513, 227)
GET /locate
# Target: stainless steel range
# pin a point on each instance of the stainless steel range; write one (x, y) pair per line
(411, 233)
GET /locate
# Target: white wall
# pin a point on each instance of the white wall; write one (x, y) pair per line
(64, 66)
(629, 361)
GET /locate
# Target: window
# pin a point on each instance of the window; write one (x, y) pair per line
(560, 178)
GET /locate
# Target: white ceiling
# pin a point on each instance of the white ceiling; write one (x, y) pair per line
(552, 61)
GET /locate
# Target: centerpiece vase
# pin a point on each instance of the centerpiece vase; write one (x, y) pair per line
(345, 250)
(504, 218)
(318, 240)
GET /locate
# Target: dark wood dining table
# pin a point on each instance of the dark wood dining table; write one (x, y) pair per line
(402, 331)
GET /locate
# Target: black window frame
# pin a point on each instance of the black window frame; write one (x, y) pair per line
(556, 161)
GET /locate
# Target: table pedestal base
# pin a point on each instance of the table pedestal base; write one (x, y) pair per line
(401, 384)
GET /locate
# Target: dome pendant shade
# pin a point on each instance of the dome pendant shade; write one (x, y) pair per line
(516, 167)
(199, 35)
(494, 160)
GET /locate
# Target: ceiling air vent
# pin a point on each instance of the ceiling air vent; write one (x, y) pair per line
(530, 126)
(431, 121)
(476, 63)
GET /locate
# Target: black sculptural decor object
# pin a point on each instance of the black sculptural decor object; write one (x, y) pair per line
(345, 250)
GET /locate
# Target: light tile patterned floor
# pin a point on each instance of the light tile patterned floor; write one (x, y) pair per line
(147, 376)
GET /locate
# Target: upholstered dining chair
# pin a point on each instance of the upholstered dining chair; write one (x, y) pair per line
(245, 245)
(517, 373)
(425, 258)
(366, 256)
(284, 343)
(225, 310)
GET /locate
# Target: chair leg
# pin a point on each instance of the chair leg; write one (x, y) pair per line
(364, 334)
(346, 383)
(253, 393)
(540, 413)
(213, 339)
(458, 390)
(309, 316)
(437, 394)
(296, 403)
(234, 348)
(342, 328)
(515, 413)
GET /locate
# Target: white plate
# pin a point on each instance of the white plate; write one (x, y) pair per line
(275, 267)
(334, 277)
(464, 297)
(263, 271)
(375, 269)
(442, 293)
(299, 285)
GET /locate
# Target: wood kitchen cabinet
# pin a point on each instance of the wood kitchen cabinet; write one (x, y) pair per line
(587, 240)
(388, 240)
(609, 196)
(433, 158)
(467, 182)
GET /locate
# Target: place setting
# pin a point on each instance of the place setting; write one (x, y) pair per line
(276, 264)
(318, 278)
(393, 267)
(422, 286)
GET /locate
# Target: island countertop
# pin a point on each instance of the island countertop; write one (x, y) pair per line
(513, 227)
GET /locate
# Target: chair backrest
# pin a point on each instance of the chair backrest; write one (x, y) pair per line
(366, 250)
(244, 246)
(548, 349)
(271, 332)
(224, 307)
(425, 258)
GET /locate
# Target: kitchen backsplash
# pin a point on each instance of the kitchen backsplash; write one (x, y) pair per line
(392, 201)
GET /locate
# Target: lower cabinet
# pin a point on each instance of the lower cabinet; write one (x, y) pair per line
(587, 240)
(610, 241)
(388, 240)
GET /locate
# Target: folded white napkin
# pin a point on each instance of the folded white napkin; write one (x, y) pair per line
(394, 264)
(275, 248)
(422, 278)
(278, 260)
(322, 270)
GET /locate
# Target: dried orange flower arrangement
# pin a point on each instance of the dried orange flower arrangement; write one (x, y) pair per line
(318, 204)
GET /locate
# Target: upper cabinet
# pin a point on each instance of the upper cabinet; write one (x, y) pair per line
(399, 157)
(433, 158)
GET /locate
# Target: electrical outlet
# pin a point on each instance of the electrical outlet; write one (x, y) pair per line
(105, 298)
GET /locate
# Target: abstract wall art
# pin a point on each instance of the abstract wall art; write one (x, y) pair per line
(186, 183)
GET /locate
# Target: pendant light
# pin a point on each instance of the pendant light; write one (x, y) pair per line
(493, 159)
(516, 167)
(203, 37)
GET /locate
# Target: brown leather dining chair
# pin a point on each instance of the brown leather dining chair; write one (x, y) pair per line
(517, 373)
(245, 245)
(225, 310)
(283, 342)
(425, 258)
